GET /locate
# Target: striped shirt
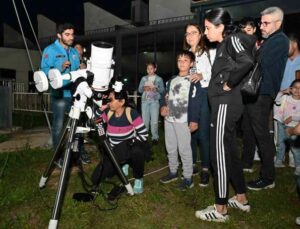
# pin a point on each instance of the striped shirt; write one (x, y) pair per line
(120, 129)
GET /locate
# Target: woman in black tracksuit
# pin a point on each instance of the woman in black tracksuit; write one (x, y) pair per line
(231, 65)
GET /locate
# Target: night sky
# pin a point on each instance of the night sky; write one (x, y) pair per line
(59, 11)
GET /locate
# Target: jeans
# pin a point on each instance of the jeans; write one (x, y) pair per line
(150, 114)
(294, 142)
(59, 107)
(201, 136)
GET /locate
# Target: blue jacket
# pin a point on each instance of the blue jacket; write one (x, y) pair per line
(158, 82)
(195, 103)
(54, 56)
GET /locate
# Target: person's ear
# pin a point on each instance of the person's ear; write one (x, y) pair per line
(58, 35)
(221, 28)
(122, 101)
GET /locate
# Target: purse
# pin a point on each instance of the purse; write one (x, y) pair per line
(250, 85)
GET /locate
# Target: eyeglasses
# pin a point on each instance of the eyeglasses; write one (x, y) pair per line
(191, 33)
(266, 23)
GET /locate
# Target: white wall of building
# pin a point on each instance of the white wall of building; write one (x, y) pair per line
(11, 36)
(17, 59)
(97, 18)
(159, 9)
(46, 27)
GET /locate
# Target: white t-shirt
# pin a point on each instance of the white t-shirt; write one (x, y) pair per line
(178, 99)
(203, 65)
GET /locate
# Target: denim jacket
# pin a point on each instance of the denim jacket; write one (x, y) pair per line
(158, 83)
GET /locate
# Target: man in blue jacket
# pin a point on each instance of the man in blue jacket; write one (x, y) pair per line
(62, 56)
(273, 55)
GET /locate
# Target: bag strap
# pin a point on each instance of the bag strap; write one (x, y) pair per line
(208, 55)
(127, 113)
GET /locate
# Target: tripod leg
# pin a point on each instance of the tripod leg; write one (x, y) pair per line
(117, 167)
(57, 151)
(63, 178)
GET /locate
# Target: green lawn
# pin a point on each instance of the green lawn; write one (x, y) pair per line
(23, 205)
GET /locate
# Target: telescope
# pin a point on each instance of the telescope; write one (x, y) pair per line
(100, 65)
(94, 80)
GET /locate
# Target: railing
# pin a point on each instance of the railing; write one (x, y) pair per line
(33, 101)
(16, 87)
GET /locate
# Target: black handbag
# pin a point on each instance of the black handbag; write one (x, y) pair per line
(250, 85)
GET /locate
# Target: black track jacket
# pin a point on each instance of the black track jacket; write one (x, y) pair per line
(232, 63)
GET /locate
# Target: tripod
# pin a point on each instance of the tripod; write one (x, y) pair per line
(81, 95)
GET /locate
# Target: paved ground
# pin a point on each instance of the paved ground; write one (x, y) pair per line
(37, 137)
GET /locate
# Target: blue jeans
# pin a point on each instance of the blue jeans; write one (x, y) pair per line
(150, 114)
(201, 136)
(59, 106)
(294, 142)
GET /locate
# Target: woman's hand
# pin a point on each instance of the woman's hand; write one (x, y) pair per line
(293, 130)
(164, 111)
(196, 77)
(225, 87)
(147, 88)
(193, 126)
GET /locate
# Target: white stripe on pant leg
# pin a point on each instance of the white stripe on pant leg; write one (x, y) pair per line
(223, 161)
(220, 150)
(217, 148)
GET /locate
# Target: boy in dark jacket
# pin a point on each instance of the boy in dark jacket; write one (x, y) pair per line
(181, 112)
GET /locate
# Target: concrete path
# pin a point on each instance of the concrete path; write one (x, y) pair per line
(33, 138)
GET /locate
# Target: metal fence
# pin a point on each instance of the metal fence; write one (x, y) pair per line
(16, 87)
(33, 102)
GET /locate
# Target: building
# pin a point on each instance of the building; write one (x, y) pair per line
(146, 30)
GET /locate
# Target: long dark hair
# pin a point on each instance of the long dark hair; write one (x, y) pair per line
(220, 16)
(201, 47)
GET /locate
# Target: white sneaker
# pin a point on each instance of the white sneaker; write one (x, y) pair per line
(297, 171)
(211, 214)
(279, 164)
(291, 160)
(298, 221)
(233, 203)
(248, 170)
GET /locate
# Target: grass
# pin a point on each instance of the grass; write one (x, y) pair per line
(23, 205)
(4, 137)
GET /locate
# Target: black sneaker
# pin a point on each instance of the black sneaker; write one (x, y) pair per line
(115, 192)
(260, 184)
(204, 178)
(154, 142)
(85, 158)
(185, 184)
(169, 178)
